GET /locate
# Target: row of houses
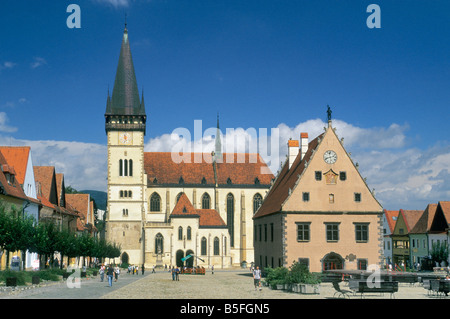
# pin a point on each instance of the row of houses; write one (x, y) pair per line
(40, 192)
(410, 235)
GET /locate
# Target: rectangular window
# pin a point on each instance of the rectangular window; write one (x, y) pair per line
(303, 232)
(306, 196)
(271, 232)
(265, 232)
(357, 197)
(304, 262)
(332, 230)
(331, 198)
(343, 176)
(260, 232)
(362, 232)
(362, 264)
(318, 175)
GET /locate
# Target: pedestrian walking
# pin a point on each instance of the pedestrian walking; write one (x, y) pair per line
(257, 278)
(117, 272)
(102, 272)
(212, 269)
(142, 269)
(177, 274)
(153, 269)
(110, 274)
(173, 274)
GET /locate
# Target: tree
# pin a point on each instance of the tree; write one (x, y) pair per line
(439, 252)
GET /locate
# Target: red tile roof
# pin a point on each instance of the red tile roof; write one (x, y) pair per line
(411, 217)
(391, 217)
(286, 180)
(10, 188)
(17, 156)
(426, 219)
(245, 168)
(208, 217)
(445, 206)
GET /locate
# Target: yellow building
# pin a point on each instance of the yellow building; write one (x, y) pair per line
(320, 211)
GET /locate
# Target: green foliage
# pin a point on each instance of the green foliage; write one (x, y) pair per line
(439, 252)
(297, 273)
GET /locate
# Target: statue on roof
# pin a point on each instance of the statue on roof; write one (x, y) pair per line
(329, 113)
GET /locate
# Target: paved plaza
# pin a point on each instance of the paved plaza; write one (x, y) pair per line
(223, 284)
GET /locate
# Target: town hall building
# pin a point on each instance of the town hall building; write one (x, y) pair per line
(196, 213)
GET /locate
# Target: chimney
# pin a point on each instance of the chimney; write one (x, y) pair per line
(292, 151)
(303, 144)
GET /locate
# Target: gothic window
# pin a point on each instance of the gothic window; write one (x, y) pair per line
(216, 246)
(189, 233)
(159, 244)
(126, 167)
(203, 246)
(180, 233)
(257, 202)
(230, 217)
(155, 203)
(206, 201)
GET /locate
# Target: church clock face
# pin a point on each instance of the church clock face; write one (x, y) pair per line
(330, 157)
(125, 138)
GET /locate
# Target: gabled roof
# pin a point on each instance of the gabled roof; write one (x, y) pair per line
(17, 156)
(46, 183)
(423, 225)
(207, 217)
(411, 217)
(391, 217)
(287, 178)
(161, 169)
(445, 206)
(81, 203)
(13, 187)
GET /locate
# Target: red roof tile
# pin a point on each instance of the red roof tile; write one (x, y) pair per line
(17, 156)
(208, 217)
(244, 169)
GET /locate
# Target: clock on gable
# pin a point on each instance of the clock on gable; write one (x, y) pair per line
(125, 138)
(330, 157)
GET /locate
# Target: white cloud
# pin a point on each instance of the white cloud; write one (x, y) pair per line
(115, 3)
(7, 65)
(4, 127)
(37, 62)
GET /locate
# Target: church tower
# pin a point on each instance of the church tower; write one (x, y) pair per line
(125, 121)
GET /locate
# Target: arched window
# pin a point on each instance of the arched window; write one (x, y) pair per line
(257, 202)
(206, 201)
(180, 233)
(204, 245)
(130, 163)
(230, 217)
(159, 244)
(216, 246)
(155, 203)
(125, 168)
(120, 168)
(189, 233)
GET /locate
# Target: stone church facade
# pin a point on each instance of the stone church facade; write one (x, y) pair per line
(160, 211)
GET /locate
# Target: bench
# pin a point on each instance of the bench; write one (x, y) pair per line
(439, 287)
(364, 286)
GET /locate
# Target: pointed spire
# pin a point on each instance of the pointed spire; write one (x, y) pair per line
(108, 103)
(218, 148)
(125, 95)
(142, 110)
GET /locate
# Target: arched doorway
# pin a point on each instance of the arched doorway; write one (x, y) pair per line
(179, 255)
(332, 261)
(125, 258)
(190, 261)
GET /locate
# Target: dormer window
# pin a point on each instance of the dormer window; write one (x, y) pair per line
(184, 209)
(229, 181)
(257, 182)
(203, 181)
(181, 180)
(155, 181)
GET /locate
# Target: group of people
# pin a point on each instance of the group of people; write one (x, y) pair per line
(134, 269)
(111, 273)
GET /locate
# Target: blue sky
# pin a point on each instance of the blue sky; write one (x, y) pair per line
(260, 64)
